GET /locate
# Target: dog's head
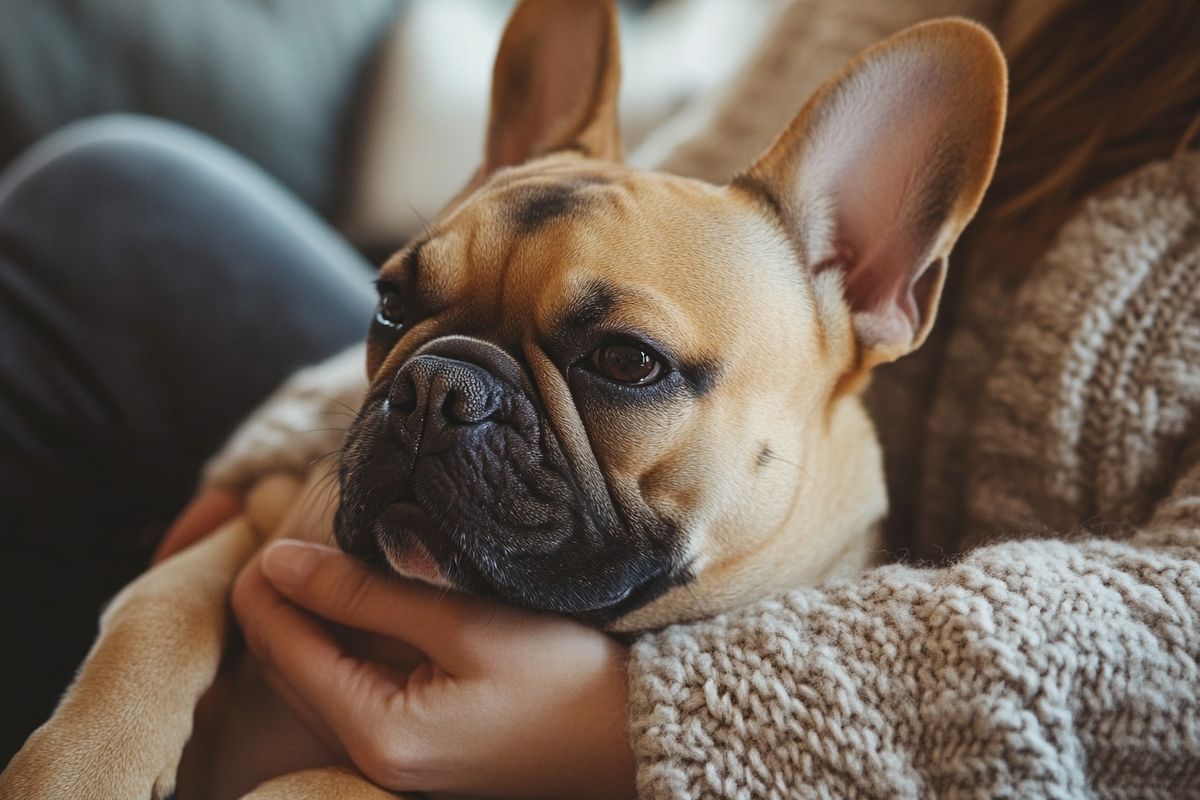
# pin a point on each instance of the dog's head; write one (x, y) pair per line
(633, 397)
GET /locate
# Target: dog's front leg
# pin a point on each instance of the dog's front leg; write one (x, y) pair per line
(121, 726)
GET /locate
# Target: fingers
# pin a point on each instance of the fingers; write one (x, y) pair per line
(333, 585)
(342, 699)
(202, 516)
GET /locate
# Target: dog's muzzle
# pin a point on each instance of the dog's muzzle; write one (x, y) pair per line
(453, 474)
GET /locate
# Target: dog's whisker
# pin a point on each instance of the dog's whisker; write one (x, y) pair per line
(319, 460)
(696, 599)
(803, 472)
(424, 222)
(336, 401)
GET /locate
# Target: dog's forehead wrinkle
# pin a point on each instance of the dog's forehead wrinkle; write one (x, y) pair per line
(534, 204)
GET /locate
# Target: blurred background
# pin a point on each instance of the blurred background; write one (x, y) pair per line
(371, 111)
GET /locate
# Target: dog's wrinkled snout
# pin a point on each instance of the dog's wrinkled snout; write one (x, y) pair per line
(447, 391)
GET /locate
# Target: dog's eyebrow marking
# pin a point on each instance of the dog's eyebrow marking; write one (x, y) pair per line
(588, 307)
(536, 206)
(412, 261)
(406, 264)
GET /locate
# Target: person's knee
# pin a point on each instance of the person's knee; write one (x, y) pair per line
(112, 155)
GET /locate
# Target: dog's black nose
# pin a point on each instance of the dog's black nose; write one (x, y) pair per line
(434, 389)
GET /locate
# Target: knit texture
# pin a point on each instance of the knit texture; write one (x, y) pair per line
(1030, 668)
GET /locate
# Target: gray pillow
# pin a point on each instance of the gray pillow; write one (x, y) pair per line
(275, 79)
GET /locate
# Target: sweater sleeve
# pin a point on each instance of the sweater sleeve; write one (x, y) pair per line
(304, 420)
(1027, 669)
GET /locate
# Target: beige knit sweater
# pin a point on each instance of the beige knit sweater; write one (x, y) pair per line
(1061, 416)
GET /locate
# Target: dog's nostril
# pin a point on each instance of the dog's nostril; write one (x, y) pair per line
(404, 394)
(469, 405)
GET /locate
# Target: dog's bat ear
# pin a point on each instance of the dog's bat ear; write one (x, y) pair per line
(883, 168)
(555, 83)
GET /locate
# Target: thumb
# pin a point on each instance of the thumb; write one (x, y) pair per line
(448, 627)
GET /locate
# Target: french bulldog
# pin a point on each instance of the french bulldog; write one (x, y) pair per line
(632, 397)
(624, 396)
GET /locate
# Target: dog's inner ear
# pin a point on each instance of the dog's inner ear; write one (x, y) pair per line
(555, 83)
(881, 170)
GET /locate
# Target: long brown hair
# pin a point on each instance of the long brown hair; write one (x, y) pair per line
(1097, 89)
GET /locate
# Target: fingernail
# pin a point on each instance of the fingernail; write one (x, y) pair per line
(291, 563)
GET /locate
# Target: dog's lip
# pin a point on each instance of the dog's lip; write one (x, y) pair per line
(416, 562)
(403, 524)
(409, 557)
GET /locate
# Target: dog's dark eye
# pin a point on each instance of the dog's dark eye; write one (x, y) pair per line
(391, 307)
(627, 362)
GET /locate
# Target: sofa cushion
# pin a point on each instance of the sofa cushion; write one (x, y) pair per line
(275, 79)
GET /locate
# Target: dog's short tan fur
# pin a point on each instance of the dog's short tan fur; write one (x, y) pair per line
(785, 280)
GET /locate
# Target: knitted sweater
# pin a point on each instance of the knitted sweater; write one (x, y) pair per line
(1043, 667)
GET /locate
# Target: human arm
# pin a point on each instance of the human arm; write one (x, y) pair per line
(1059, 666)
(1035, 668)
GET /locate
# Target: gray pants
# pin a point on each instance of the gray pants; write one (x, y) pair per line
(154, 287)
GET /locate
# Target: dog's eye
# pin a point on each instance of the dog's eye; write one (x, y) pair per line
(627, 362)
(391, 306)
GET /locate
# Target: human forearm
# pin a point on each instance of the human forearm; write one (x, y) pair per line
(1027, 669)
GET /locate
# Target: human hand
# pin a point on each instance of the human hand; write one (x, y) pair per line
(494, 700)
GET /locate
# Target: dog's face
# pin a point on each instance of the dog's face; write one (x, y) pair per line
(632, 397)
